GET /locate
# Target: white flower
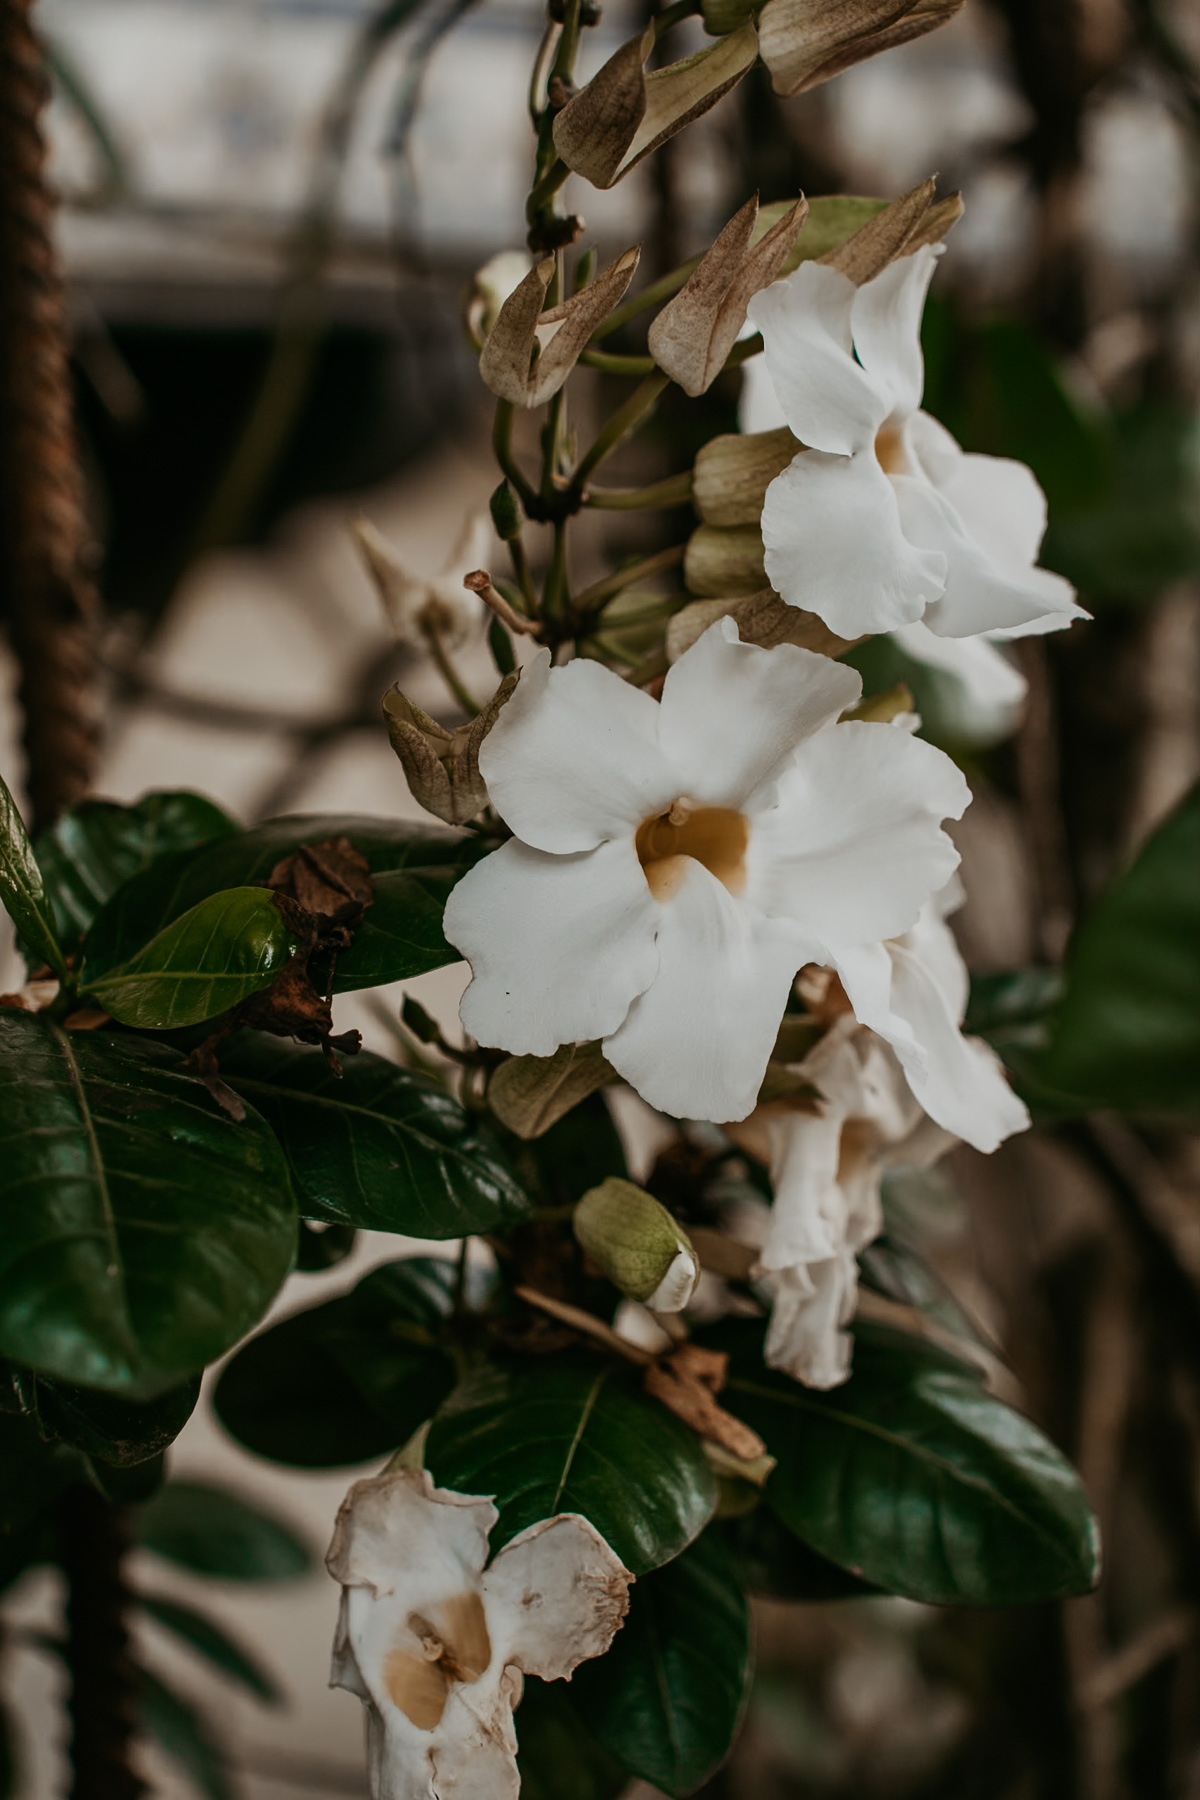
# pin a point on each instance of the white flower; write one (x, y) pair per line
(674, 864)
(913, 992)
(435, 1645)
(827, 1161)
(419, 606)
(883, 520)
(983, 699)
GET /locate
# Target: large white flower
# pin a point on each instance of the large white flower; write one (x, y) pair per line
(883, 520)
(674, 864)
(827, 1159)
(913, 992)
(435, 1644)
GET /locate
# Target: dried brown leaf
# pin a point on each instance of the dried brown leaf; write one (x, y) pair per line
(529, 353)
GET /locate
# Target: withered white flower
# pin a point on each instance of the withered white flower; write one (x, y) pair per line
(913, 992)
(418, 605)
(883, 520)
(827, 1157)
(675, 863)
(435, 1644)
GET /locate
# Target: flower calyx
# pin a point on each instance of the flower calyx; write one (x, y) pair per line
(637, 1244)
(442, 766)
(805, 42)
(529, 353)
(694, 333)
(529, 1094)
(624, 113)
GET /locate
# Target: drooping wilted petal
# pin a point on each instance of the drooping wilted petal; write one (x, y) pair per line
(575, 758)
(695, 1044)
(770, 699)
(623, 113)
(808, 41)
(835, 544)
(559, 945)
(529, 353)
(694, 333)
(442, 767)
(855, 845)
(557, 1594)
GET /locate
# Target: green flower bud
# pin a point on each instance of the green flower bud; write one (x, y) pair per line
(637, 1244)
(506, 512)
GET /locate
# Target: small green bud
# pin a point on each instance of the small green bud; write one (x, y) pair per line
(637, 1244)
(585, 269)
(423, 1027)
(506, 512)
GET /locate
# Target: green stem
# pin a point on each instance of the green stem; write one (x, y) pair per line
(555, 593)
(544, 190)
(674, 490)
(447, 670)
(671, 15)
(503, 452)
(618, 365)
(625, 420)
(520, 563)
(662, 289)
(590, 600)
(742, 352)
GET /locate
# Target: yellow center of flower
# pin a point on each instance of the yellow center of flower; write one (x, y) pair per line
(457, 1648)
(889, 451)
(716, 836)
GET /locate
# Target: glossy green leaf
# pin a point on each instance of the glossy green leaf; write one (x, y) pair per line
(346, 1381)
(668, 1696)
(377, 1147)
(400, 934)
(575, 1434)
(128, 1484)
(186, 1737)
(556, 1757)
(222, 950)
(214, 1644)
(97, 846)
(116, 1430)
(22, 890)
(142, 1231)
(33, 1472)
(772, 1560)
(1128, 1032)
(212, 1531)
(913, 1477)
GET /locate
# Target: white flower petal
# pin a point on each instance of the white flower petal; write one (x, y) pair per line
(809, 1306)
(732, 712)
(696, 1043)
(834, 544)
(992, 682)
(555, 1596)
(758, 403)
(935, 451)
(806, 1225)
(854, 847)
(474, 1756)
(979, 595)
(886, 322)
(559, 945)
(1001, 506)
(573, 758)
(830, 401)
(957, 1080)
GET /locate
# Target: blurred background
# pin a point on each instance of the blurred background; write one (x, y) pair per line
(269, 212)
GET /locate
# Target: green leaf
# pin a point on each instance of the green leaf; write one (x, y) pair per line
(377, 1147)
(575, 1435)
(22, 891)
(400, 935)
(347, 1381)
(556, 1758)
(1128, 1031)
(669, 1695)
(772, 1560)
(211, 1531)
(578, 1151)
(142, 1231)
(913, 1477)
(212, 1642)
(185, 1736)
(130, 1485)
(33, 1473)
(227, 947)
(121, 1432)
(94, 848)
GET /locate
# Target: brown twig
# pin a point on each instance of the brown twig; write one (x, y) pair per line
(45, 550)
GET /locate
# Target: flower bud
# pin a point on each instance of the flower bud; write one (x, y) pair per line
(506, 512)
(725, 560)
(442, 767)
(734, 471)
(637, 1244)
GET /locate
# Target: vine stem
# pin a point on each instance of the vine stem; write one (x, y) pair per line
(626, 419)
(45, 545)
(104, 1701)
